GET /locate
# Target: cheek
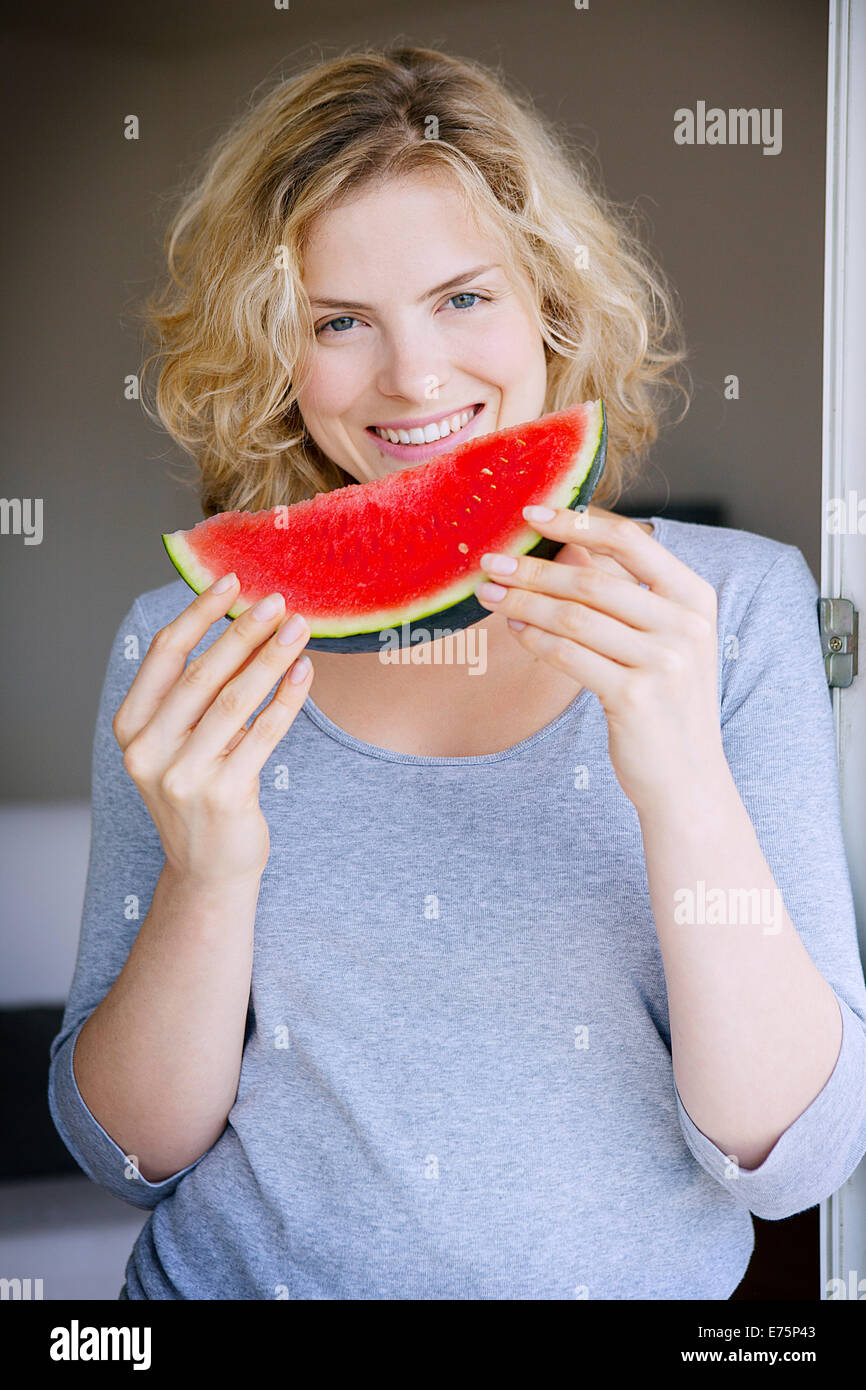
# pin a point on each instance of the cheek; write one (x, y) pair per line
(332, 386)
(507, 349)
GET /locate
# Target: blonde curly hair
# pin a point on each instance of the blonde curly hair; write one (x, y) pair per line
(232, 323)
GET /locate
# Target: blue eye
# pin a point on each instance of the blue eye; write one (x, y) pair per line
(344, 318)
(347, 318)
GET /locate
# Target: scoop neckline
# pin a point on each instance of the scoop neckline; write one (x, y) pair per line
(375, 750)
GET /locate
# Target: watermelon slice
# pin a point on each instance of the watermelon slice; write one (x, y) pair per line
(362, 561)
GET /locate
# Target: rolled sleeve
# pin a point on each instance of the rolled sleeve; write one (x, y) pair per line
(93, 1149)
(815, 1155)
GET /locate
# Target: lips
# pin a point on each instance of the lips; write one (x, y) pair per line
(420, 453)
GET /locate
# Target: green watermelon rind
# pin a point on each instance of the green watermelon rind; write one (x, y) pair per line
(454, 608)
(188, 565)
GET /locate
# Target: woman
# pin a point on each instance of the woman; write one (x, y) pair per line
(442, 990)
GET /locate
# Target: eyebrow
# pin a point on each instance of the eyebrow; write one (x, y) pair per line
(367, 308)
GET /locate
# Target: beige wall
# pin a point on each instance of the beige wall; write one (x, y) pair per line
(740, 233)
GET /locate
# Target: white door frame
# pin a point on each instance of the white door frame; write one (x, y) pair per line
(843, 556)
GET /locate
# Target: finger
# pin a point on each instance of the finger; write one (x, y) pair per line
(240, 733)
(597, 673)
(261, 738)
(203, 680)
(165, 659)
(607, 533)
(585, 584)
(594, 630)
(239, 697)
(572, 554)
(579, 557)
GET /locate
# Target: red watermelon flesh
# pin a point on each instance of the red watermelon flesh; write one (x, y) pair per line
(371, 557)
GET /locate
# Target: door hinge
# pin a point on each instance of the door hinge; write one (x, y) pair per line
(838, 621)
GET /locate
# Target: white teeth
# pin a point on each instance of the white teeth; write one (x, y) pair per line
(429, 433)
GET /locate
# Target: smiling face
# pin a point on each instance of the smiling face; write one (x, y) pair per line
(419, 331)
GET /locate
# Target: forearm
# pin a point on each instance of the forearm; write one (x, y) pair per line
(158, 1061)
(755, 1028)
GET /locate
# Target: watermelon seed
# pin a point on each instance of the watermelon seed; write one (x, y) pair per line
(463, 547)
(487, 470)
(477, 498)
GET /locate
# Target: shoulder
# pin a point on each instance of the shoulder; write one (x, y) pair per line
(742, 566)
(770, 655)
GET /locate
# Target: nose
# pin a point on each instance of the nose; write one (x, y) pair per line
(412, 367)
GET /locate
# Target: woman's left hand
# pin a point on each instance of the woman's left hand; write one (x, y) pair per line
(649, 654)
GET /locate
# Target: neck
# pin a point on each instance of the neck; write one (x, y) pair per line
(486, 647)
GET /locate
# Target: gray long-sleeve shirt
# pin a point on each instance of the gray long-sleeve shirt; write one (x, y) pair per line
(456, 1078)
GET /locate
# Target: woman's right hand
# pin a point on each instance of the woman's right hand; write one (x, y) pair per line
(185, 745)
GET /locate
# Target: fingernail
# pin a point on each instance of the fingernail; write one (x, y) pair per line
(498, 564)
(291, 630)
(539, 513)
(513, 622)
(268, 607)
(224, 584)
(491, 592)
(300, 669)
